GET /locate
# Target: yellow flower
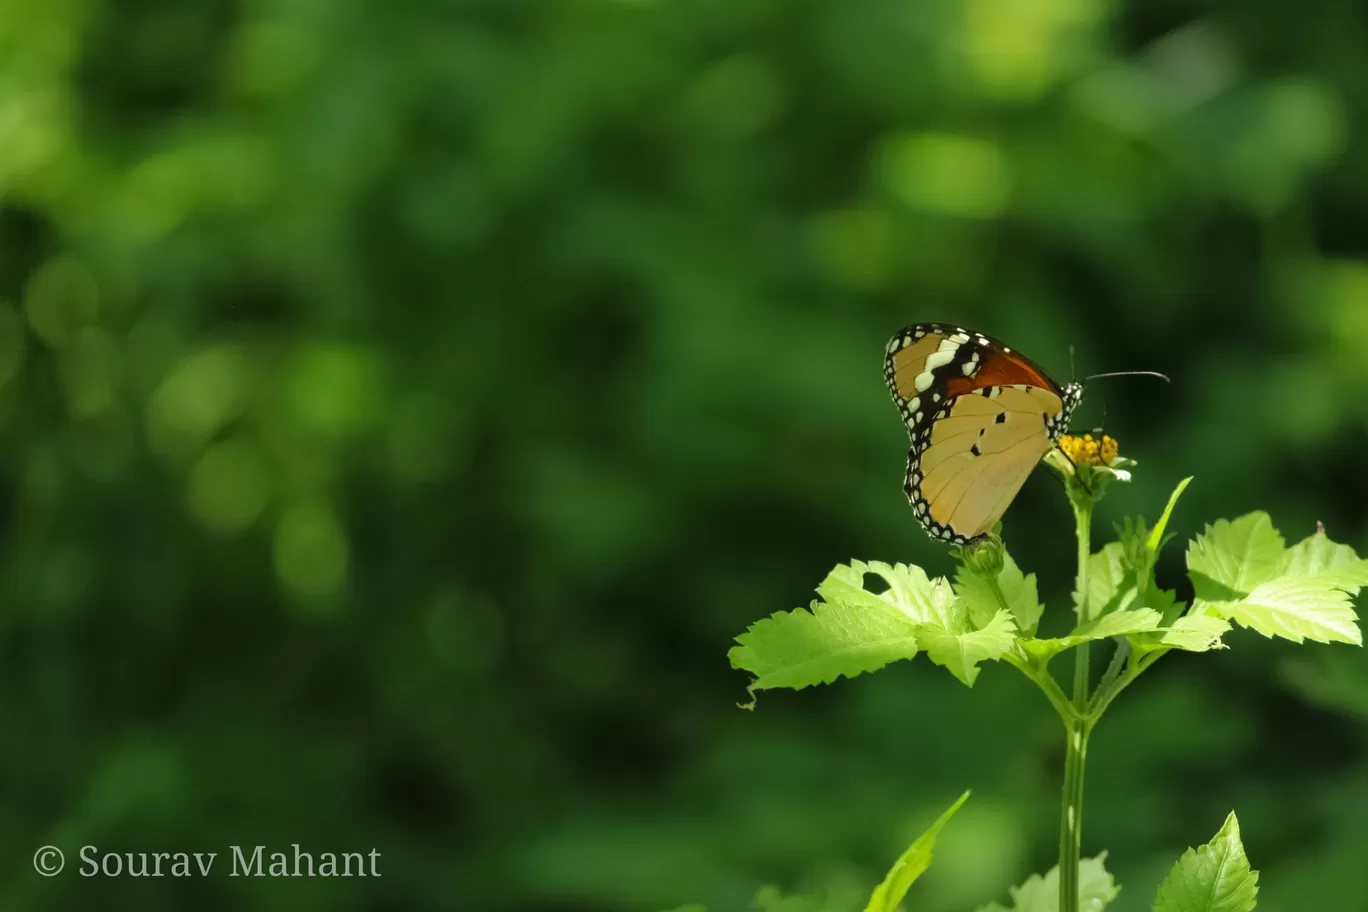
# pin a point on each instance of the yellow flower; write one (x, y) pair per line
(1087, 451)
(1092, 463)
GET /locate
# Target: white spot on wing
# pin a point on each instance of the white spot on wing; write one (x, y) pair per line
(940, 358)
(923, 381)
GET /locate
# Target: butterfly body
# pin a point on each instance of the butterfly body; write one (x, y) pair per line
(979, 417)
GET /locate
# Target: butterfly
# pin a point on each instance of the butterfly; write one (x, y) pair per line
(979, 417)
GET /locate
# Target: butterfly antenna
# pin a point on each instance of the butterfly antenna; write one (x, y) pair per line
(1163, 377)
(1073, 369)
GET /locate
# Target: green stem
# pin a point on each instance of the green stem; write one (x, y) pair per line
(1104, 696)
(1042, 678)
(1071, 822)
(1083, 520)
(1077, 730)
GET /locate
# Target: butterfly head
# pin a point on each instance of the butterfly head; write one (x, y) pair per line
(1073, 394)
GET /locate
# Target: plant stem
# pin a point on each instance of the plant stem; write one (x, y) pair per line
(1077, 730)
(1071, 822)
(1083, 521)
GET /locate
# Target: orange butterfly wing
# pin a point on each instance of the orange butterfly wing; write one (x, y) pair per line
(979, 417)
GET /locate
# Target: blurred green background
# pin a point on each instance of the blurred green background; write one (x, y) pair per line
(405, 404)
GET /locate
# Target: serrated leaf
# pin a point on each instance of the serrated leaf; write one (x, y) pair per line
(845, 584)
(1235, 555)
(1195, 633)
(959, 648)
(1133, 537)
(910, 865)
(1320, 558)
(800, 648)
(1096, 889)
(1118, 623)
(1297, 609)
(1018, 589)
(1164, 601)
(1213, 878)
(1111, 583)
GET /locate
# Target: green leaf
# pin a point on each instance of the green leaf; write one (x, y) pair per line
(1165, 601)
(1133, 537)
(1019, 591)
(695, 907)
(1096, 888)
(1118, 623)
(909, 589)
(800, 648)
(1213, 878)
(958, 647)
(1156, 536)
(910, 865)
(944, 627)
(1111, 582)
(1232, 557)
(1317, 557)
(851, 632)
(1297, 609)
(1195, 633)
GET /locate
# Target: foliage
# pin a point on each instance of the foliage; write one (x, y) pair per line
(404, 403)
(1301, 592)
(1241, 571)
(1213, 878)
(1041, 894)
(910, 865)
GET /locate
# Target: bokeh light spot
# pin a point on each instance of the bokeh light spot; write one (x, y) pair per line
(334, 389)
(310, 553)
(157, 194)
(271, 58)
(856, 245)
(738, 96)
(1307, 120)
(202, 392)
(34, 129)
(1016, 48)
(228, 487)
(946, 172)
(1294, 128)
(61, 298)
